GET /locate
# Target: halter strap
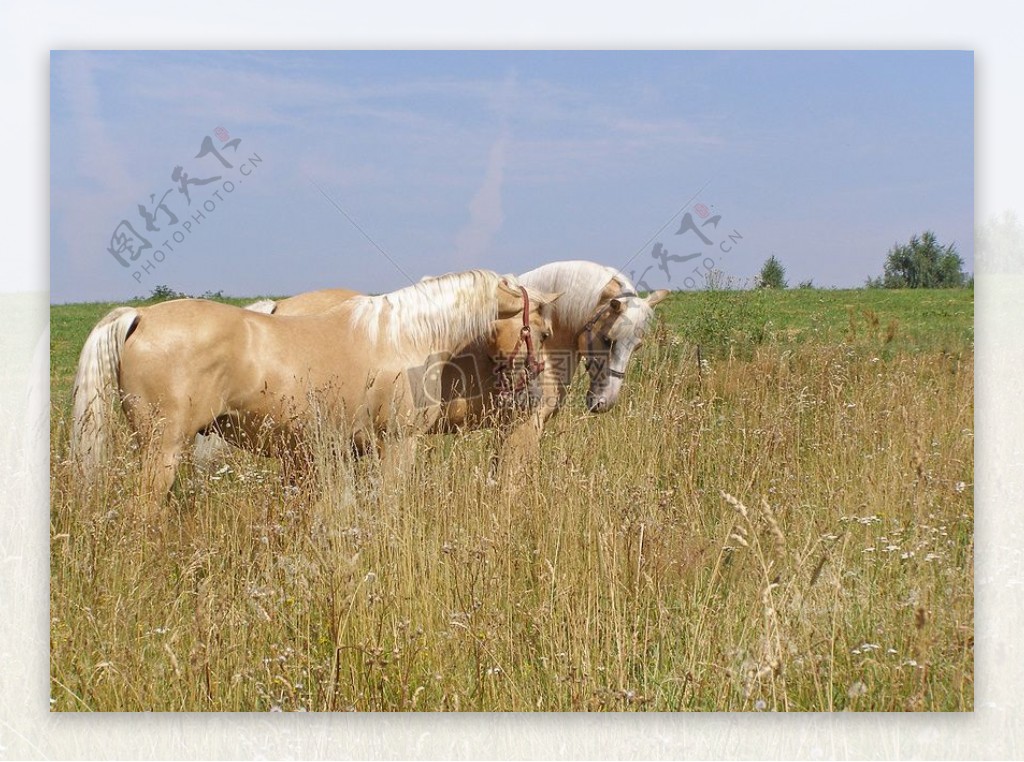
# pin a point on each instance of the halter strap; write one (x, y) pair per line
(533, 366)
(526, 335)
(597, 315)
(588, 328)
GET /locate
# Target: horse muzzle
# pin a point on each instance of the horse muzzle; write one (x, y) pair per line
(597, 403)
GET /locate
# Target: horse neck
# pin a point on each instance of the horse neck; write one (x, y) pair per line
(566, 328)
(437, 316)
(563, 336)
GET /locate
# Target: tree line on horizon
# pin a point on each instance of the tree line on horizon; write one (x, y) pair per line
(922, 262)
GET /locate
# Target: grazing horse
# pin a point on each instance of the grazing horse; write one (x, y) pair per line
(599, 319)
(191, 365)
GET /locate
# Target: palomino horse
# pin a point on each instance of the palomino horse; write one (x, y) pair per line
(187, 366)
(472, 380)
(598, 319)
(474, 390)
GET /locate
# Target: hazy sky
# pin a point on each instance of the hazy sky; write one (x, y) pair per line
(448, 161)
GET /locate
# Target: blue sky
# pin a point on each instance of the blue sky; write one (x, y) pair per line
(452, 160)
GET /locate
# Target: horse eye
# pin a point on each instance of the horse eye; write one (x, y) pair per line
(545, 336)
(608, 342)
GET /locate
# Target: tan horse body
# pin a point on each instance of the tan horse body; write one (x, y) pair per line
(189, 366)
(599, 319)
(471, 391)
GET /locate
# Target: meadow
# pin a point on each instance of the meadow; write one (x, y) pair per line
(777, 516)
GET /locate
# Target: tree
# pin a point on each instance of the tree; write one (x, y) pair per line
(922, 263)
(162, 293)
(772, 275)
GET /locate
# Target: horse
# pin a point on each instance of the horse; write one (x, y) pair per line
(473, 392)
(599, 320)
(370, 367)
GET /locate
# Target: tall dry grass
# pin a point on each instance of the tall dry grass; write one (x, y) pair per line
(790, 529)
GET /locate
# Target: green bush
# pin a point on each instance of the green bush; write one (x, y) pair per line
(922, 263)
(727, 321)
(772, 275)
(164, 293)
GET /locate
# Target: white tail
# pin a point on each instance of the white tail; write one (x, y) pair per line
(266, 306)
(96, 386)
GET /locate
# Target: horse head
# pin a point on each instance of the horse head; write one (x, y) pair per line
(608, 341)
(517, 338)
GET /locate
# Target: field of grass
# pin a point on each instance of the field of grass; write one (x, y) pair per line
(785, 525)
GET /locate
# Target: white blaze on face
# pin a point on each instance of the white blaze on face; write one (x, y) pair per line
(611, 345)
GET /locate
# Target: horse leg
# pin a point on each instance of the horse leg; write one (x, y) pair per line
(162, 433)
(160, 461)
(518, 452)
(209, 451)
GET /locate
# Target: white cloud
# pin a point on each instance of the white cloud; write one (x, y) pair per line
(486, 214)
(83, 209)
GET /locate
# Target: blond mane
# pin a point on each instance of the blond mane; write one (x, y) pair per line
(580, 281)
(436, 314)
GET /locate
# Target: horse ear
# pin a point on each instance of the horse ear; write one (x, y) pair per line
(657, 296)
(510, 300)
(545, 302)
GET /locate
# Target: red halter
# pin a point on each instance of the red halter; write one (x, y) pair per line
(533, 367)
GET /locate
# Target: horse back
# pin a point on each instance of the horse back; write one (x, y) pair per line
(314, 302)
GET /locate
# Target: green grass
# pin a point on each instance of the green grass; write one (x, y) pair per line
(787, 527)
(922, 319)
(925, 319)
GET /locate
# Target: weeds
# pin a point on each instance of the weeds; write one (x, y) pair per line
(787, 527)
